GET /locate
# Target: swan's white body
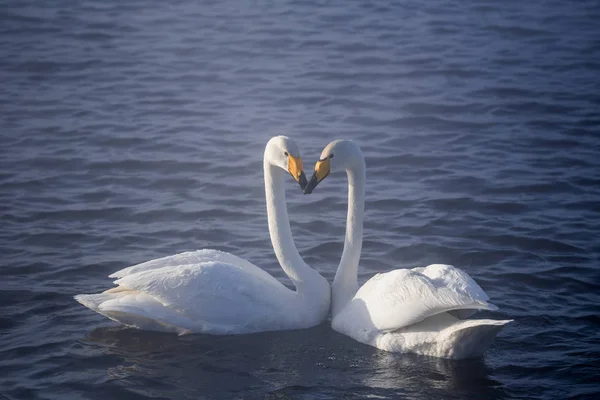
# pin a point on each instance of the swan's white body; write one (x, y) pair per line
(419, 310)
(209, 291)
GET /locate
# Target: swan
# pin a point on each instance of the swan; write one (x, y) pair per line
(421, 310)
(213, 292)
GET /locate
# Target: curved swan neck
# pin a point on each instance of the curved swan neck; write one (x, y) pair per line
(279, 226)
(345, 283)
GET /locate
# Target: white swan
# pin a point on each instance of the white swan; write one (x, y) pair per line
(419, 310)
(213, 292)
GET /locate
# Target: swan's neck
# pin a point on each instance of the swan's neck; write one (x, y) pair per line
(279, 228)
(345, 283)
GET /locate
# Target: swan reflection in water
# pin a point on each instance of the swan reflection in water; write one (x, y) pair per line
(310, 362)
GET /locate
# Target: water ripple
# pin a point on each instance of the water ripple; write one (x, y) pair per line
(132, 132)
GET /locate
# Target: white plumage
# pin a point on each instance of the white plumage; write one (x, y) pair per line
(420, 310)
(419, 294)
(209, 291)
(205, 291)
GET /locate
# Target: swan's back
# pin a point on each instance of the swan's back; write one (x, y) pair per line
(191, 257)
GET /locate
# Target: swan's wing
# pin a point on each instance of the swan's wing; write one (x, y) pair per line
(443, 275)
(188, 258)
(222, 297)
(402, 297)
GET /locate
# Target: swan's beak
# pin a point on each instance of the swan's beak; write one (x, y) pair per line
(302, 181)
(295, 169)
(311, 184)
(321, 172)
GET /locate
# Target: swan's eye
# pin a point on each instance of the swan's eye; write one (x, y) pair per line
(331, 156)
(285, 153)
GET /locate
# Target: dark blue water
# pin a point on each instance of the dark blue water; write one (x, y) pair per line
(134, 130)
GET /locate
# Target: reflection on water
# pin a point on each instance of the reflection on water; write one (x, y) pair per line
(292, 363)
(414, 372)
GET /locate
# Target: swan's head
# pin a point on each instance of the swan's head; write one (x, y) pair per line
(339, 155)
(284, 153)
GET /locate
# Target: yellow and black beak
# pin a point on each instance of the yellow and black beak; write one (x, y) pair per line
(295, 169)
(321, 172)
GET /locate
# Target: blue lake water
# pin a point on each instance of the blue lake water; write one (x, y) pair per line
(134, 130)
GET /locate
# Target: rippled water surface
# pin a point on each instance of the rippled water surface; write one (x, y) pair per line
(134, 130)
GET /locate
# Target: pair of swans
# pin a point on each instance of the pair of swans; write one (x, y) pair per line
(423, 310)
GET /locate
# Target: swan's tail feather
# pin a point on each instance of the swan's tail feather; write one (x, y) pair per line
(92, 301)
(136, 310)
(442, 336)
(470, 338)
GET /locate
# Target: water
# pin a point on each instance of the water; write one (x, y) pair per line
(134, 130)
